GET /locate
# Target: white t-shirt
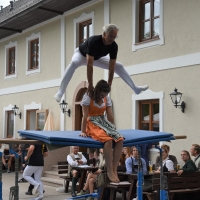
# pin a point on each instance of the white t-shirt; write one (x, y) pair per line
(86, 101)
(169, 164)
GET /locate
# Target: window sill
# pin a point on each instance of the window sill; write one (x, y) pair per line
(9, 76)
(148, 43)
(33, 71)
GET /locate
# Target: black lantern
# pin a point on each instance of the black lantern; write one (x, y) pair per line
(176, 99)
(16, 111)
(63, 107)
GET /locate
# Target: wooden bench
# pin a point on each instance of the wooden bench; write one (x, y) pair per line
(186, 183)
(63, 170)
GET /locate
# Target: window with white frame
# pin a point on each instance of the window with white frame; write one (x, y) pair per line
(10, 60)
(148, 111)
(147, 23)
(33, 54)
(10, 124)
(83, 28)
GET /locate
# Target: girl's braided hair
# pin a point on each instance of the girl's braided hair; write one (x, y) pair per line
(101, 86)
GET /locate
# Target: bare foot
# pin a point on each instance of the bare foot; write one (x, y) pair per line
(112, 177)
(116, 175)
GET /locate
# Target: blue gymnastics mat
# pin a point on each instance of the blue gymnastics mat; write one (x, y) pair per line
(71, 138)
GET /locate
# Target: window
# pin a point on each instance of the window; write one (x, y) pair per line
(41, 117)
(147, 23)
(149, 115)
(31, 120)
(85, 30)
(149, 19)
(10, 60)
(10, 124)
(33, 54)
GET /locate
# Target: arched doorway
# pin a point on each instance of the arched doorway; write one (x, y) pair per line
(77, 109)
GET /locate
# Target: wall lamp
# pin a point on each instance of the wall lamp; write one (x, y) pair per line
(176, 99)
(16, 111)
(63, 107)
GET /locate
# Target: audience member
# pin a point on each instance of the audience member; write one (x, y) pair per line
(35, 159)
(75, 159)
(11, 157)
(168, 165)
(195, 151)
(144, 151)
(132, 162)
(127, 152)
(189, 165)
(3, 159)
(171, 157)
(91, 178)
(122, 159)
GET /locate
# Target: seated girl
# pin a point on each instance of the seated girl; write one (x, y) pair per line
(95, 125)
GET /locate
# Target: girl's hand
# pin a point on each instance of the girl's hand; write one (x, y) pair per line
(83, 134)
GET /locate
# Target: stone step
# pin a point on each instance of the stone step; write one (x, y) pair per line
(51, 174)
(52, 182)
(55, 167)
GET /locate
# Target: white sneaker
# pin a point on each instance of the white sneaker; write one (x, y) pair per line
(135, 198)
(57, 97)
(39, 198)
(36, 188)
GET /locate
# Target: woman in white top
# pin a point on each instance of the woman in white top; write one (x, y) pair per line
(168, 165)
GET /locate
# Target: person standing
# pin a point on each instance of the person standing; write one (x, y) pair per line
(94, 52)
(195, 151)
(35, 158)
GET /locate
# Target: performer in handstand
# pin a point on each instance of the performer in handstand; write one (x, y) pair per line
(95, 125)
(94, 52)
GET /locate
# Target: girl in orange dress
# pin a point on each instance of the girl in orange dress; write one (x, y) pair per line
(95, 125)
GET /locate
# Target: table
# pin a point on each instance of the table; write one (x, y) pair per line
(83, 171)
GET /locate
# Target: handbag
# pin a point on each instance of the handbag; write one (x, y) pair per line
(102, 180)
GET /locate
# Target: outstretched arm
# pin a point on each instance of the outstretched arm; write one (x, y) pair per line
(85, 110)
(90, 60)
(111, 71)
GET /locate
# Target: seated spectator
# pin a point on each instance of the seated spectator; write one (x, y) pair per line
(11, 157)
(132, 162)
(171, 157)
(91, 178)
(122, 159)
(3, 159)
(75, 159)
(144, 151)
(195, 151)
(168, 165)
(127, 152)
(189, 165)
